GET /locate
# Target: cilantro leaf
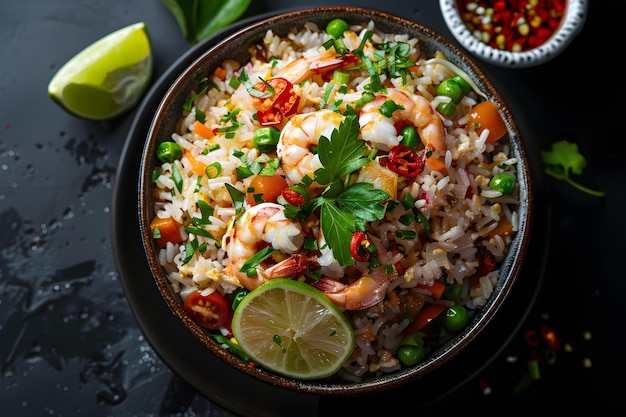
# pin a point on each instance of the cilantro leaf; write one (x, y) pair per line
(343, 153)
(563, 159)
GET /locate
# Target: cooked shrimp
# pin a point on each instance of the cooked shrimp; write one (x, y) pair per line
(380, 130)
(300, 134)
(265, 222)
(300, 69)
(363, 293)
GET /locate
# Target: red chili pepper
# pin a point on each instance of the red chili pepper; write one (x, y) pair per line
(271, 117)
(531, 338)
(358, 246)
(284, 101)
(550, 337)
(403, 161)
(486, 261)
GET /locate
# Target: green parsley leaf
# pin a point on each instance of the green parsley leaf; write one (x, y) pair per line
(563, 159)
(362, 199)
(338, 226)
(343, 153)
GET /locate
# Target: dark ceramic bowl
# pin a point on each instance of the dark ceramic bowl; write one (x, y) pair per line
(235, 47)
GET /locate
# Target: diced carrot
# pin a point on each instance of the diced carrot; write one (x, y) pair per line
(196, 166)
(436, 289)
(168, 229)
(414, 68)
(220, 73)
(202, 129)
(435, 164)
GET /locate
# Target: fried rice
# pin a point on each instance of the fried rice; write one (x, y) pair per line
(445, 226)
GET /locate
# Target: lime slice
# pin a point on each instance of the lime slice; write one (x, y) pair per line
(107, 78)
(293, 329)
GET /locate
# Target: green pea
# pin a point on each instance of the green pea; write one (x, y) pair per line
(450, 88)
(447, 109)
(410, 354)
(238, 296)
(169, 151)
(410, 137)
(415, 339)
(452, 291)
(503, 182)
(336, 27)
(266, 138)
(465, 87)
(455, 318)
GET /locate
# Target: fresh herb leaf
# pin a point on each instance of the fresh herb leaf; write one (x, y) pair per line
(338, 226)
(362, 199)
(343, 153)
(238, 198)
(343, 210)
(249, 267)
(198, 19)
(252, 90)
(190, 248)
(177, 178)
(563, 159)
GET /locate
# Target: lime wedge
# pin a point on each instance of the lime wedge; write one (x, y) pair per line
(108, 77)
(293, 329)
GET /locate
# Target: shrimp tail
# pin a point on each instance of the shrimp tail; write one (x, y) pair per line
(291, 267)
(363, 293)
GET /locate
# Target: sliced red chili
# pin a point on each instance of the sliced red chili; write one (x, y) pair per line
(270, 117)
(358, 246)
(531, 338)
(486, 261)
(284, 101)
(280, 86)
(404, 161)
(209, 311)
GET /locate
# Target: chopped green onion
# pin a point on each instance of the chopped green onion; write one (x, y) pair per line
(214, 170)
(177, 178)
(405, 234)
(249, 267)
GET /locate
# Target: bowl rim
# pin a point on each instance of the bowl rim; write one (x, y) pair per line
(571, 24)
(517, 251)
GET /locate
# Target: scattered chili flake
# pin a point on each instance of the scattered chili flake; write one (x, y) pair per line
(550, 337)
(513, 25)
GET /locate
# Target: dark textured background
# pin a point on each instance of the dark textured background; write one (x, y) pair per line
(71, 345)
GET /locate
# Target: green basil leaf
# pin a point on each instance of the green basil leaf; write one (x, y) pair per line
(198, 19)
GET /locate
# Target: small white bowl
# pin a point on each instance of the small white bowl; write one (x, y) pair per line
(572, 22)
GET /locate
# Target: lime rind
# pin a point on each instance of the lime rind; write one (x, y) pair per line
(108, 77)
(294, 330)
